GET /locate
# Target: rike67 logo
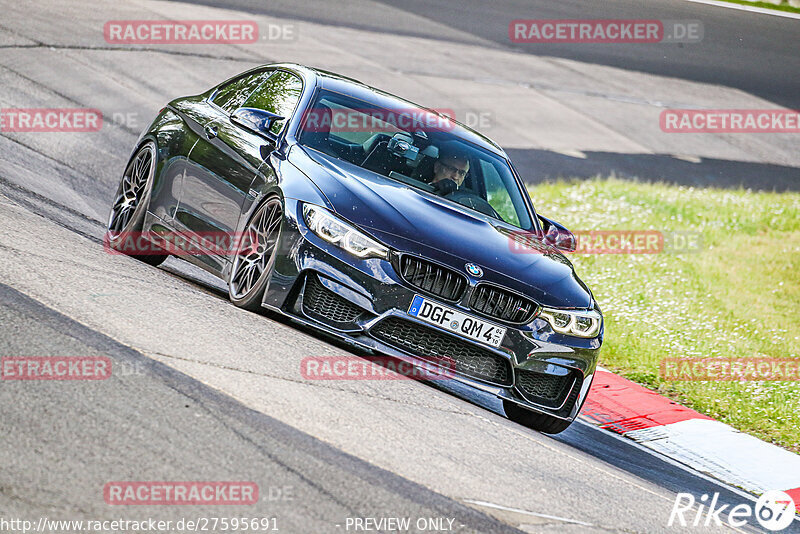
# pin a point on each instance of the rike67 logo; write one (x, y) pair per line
(774, 511)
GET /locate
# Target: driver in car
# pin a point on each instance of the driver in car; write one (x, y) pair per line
(451, 165)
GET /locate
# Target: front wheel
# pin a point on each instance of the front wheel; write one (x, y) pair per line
(255, 255)
(536, 421)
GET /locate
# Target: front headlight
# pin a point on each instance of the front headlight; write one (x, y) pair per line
(334, 230)
(581, 323)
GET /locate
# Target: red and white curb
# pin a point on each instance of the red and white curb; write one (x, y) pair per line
(690, 438)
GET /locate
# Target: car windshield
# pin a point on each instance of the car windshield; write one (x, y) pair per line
(418, 148)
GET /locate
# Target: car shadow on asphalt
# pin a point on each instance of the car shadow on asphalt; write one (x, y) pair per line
(536, 166)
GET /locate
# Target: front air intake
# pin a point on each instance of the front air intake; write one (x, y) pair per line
(432, 278)
(502, 304)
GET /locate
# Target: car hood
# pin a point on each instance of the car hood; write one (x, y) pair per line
(412, 221)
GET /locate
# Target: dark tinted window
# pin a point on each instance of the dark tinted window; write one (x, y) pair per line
(231, 96)
(278, 94)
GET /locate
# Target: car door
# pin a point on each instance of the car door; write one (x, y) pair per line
(280, 94)
(222, 164)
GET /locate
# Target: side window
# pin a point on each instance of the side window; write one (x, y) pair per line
(231, 96)
(278, 94)
(497, 193)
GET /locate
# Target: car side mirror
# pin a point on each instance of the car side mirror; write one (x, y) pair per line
(257, 121)
(558, 236)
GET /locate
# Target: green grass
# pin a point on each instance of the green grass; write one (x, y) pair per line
(737, 297)
(784, 6)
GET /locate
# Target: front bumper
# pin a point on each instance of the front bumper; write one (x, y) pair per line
(364, 303)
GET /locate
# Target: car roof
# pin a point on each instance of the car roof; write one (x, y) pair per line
(354, 88)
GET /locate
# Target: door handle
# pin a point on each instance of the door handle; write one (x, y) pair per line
(211, 131)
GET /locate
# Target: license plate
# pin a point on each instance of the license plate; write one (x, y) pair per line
(457, 322)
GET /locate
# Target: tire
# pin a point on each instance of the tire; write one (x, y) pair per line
(536, 421)
(126, 219)
(255, 254)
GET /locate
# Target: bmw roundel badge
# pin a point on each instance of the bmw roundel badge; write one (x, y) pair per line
(474, 270)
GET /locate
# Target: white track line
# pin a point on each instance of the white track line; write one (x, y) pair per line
(526, 512)
(751, 9)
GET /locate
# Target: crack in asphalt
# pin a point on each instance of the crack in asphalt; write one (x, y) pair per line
(118, 125)
(47, 156)
(550, 88)
(52, 203)
(300, 382)
(42, 44)
(53, 46)
(44, 257)
(110, 274)
(131, 49)
(35, 210)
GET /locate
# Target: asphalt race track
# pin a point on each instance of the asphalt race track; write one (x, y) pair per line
(738, 50)
(208, 392)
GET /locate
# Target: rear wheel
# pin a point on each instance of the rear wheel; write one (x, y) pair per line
(130, 204)
(536, 421)
(255, 255)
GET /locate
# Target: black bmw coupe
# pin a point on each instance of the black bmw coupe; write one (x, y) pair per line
(375, 220)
